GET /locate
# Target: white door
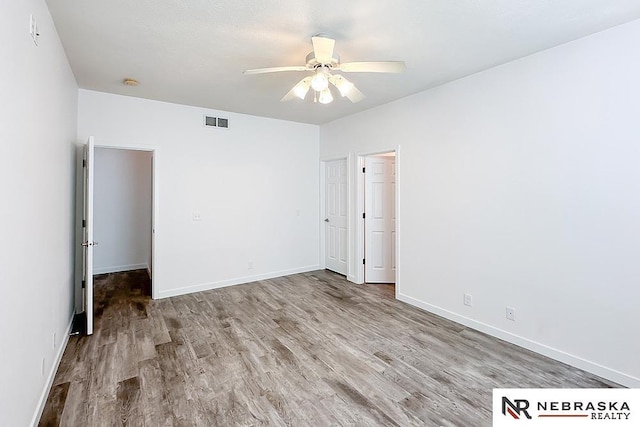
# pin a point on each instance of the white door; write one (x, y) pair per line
(88, 242)
(380, 219)
(336, 216)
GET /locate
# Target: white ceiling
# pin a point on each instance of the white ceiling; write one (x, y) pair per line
(194, 51)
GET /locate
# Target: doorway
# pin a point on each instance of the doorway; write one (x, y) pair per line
(122, 210)
(120, 200)
(379, 217)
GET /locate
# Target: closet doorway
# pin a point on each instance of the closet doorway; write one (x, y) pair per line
(122, 211)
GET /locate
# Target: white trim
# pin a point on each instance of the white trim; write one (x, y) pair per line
(118, 268)
(332, 158)
(398, 216)
(237, 281)
(42, 401)
(559, 355)
(154, 207)
(322, 258)
(154, 221)
(352, 272)
(127, 147)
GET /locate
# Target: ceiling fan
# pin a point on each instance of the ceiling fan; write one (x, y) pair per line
(322, 62)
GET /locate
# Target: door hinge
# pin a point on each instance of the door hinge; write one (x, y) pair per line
(363, 170)
(84, 223)
(362, 260)
(84, 163)
(363, 215)
(84, 284)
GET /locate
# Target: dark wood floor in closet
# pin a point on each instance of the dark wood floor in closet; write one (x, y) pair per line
(305, 350)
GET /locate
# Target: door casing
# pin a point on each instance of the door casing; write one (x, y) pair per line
(383, 226)
(79, 216)
(355, 224)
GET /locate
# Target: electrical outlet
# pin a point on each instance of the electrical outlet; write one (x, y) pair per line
(196, 216)
(54, 340)
(511, 314)
(468, 300)
(250, 265)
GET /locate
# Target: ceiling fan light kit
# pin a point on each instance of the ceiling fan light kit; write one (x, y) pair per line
(343, 85)
(321, 62)
(301, 89)
(325, 96)
(320, 81)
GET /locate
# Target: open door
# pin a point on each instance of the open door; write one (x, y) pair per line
(87, 242)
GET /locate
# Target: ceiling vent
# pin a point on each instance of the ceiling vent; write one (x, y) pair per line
(216, 122)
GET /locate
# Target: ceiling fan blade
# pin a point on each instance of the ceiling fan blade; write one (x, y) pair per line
(323, 49)
(289, 96)
(299, 90)
(373, 67)
(276, 69)
(355, 95)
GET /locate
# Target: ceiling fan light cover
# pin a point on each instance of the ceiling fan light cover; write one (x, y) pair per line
(325, 96)
(344, 86)
(301, 89)
(320, 82)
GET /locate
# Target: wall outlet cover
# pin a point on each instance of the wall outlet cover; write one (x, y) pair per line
(468, 300)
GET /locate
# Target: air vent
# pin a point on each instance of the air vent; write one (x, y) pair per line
(218, 122)
(209, 121)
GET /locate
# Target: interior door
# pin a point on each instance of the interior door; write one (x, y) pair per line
(336, 216)
(380, 219)
(88, 242)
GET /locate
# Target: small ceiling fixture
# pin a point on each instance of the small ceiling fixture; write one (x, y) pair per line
(322, 62)
(130, 82)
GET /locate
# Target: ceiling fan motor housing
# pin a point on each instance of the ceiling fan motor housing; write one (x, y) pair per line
(313, 63)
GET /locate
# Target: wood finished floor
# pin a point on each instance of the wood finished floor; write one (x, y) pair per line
(305, 350)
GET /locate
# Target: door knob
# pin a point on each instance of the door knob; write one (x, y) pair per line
(326, 220)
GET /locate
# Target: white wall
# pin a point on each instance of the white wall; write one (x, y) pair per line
(521, 186)
(122, 210)
(255, 185)
(38, 107)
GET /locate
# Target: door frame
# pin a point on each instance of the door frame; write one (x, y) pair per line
(359, 207)
(154, 212)
(365, 189)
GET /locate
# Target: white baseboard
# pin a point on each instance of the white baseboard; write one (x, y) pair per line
(52, 374)
(578, 362)
(119, 268)
(235, 281)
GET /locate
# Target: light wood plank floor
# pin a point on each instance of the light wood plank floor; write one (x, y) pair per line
(305, 350)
